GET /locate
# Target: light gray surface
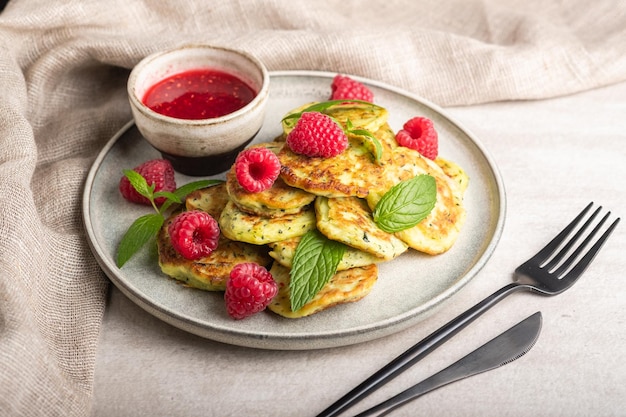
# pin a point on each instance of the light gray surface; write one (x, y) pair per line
(407, 289)
(555, 156)
(64, 71)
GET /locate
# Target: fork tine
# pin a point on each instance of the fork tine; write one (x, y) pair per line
(567, 263)
(580, 267)
(564, 250)
(554, 244)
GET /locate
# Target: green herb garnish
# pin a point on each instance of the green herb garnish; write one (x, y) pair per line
(406, 204)
(369, 140)
(314, 264)
(147, 226)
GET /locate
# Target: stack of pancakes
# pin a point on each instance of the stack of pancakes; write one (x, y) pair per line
(333, 195)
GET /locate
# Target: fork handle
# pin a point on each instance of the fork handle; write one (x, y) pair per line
(418, 351)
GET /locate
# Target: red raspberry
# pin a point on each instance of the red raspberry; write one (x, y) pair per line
(158, 172)
(345, 88)
(419, 133)
(194, 234)
(316, 134)
(249, 290)
(257, 169)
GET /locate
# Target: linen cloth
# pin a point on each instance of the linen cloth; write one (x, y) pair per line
(64, 66)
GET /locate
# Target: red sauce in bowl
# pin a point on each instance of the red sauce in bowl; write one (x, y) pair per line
(199, 94)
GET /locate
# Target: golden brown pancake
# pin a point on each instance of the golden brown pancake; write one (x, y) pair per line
(267, 226)
(276, 201)
(344, 287)
(454, 171)
(349, 220)
(352, 173)
(283, 253)
(211, 199)
(251, 228)
(440, 229)
(209, 273)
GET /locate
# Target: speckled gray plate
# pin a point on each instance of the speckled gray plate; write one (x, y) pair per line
(408, 289)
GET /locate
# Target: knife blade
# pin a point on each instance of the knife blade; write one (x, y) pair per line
(502, 349)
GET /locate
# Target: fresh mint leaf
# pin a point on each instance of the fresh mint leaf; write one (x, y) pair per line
(139, 183)
(183, 190)
(406, 204)
(138, 234)
(168, 195)
(314, 264)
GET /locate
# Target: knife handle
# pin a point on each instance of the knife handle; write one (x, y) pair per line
(444, 377)
(418, 351)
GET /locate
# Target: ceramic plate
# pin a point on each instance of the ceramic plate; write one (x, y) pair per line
(408, 288)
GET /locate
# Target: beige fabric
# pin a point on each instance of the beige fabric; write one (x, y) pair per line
(64, 66)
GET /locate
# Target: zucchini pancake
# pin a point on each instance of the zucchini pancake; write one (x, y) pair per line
(336, 196)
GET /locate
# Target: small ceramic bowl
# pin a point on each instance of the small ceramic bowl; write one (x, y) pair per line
(204, 146)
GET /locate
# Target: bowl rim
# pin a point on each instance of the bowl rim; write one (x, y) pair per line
(260, 97)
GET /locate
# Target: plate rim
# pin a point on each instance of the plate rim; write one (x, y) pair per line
(327, 339)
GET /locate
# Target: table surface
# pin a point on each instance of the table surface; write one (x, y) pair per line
(554, 156)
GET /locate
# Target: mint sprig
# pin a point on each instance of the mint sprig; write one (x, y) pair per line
(406, 204)
(315, 262)
(145, 228)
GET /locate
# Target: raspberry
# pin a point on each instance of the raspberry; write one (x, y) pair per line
(316, 134)
(194, 234)
(257, 169)
(158, 172)
(249, 290)
(419, 133)
(345, 88)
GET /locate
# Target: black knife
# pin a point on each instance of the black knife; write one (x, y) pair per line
(499, 351)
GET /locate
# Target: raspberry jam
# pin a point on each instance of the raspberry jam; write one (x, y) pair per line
(199, 94)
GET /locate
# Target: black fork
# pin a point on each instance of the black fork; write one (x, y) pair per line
(554, 269)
